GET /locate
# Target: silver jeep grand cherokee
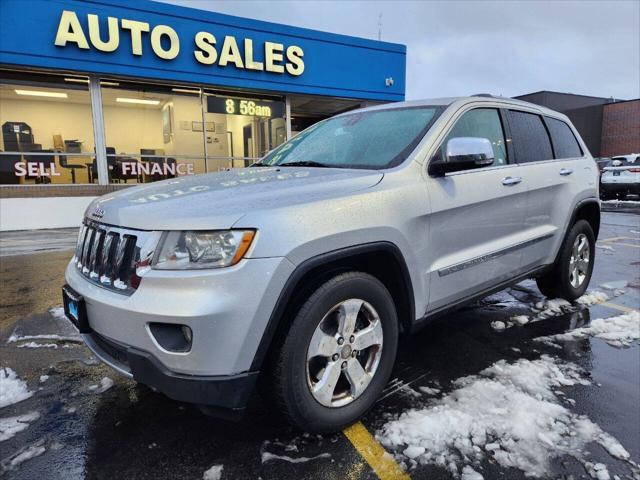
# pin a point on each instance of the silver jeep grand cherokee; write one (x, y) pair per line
(305, 268)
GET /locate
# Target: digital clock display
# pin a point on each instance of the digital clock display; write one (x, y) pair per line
(245, 106)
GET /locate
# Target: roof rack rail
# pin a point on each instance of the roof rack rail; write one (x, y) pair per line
(489, 95)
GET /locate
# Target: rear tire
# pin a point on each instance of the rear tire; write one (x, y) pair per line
(316, 380)
(572, 271)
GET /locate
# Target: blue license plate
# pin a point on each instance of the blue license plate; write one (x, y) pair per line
(73, 310)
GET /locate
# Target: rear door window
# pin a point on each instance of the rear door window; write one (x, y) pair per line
(564, 141)
(529, 137)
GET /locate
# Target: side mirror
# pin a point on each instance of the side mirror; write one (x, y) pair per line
(463, 153)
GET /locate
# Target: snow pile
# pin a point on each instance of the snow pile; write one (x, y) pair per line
(509, 413)
(105, 384)
(22, 456)
(37, 345)
(469, 473)
(618, 331)
(598, 471)
(214, 473)
(592, 298)
(553, 307)
(12, 389)
(11, 425)
(15, 337)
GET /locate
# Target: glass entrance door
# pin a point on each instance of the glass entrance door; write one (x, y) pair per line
(240, 130)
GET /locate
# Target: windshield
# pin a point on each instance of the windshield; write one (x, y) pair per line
(370, 140)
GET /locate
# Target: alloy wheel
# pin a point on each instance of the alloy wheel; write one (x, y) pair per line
(344, 353)
(579, 261)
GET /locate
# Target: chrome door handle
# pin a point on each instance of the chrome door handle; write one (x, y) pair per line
(565, 171)
(511, 180)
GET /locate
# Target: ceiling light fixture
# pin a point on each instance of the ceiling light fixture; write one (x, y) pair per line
(77, 80)
(38, 93)
(137, 100)
(185, 90)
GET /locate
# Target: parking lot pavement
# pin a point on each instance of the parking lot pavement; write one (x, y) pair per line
(476, 393)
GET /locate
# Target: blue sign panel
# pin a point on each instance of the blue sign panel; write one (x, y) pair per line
(158, 41)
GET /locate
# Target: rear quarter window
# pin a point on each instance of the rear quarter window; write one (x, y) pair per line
(565, 144)
(529, 137)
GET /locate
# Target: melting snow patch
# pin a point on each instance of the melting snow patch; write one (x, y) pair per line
(37, 345)
(11, 425)
(22, 455)
(469, 473)
(12, 389)
(429, 390)
(44, 378)
(498, 325)
(509, 413)
(58, 338)
(618, 331)
(615, 285)
(214, 473)
(267, 456)
(592, 298)
(105, 384)
(58, 312)
(557, 306)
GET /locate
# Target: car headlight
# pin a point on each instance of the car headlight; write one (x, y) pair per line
(197, 249)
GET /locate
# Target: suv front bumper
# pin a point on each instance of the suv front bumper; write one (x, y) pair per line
(227, 310)
(226, 391)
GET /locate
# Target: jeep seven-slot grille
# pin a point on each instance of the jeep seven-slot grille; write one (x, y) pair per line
(107, 257)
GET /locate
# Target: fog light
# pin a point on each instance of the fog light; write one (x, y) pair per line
(172, 337)
(188, 334)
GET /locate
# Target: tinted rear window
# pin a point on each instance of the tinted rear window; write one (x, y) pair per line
(529, 137)
(564, 141)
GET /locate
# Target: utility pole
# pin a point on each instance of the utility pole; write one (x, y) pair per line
(380, 26)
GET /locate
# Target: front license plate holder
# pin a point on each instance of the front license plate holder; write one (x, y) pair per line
(75, 309)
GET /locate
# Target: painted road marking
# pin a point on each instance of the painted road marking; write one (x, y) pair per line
(615, 306)
(627, 244)
(381, 461)
(615, 239)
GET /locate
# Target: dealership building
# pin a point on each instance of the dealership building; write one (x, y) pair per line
(98, 95)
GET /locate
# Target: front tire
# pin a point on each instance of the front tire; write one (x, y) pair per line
(337, 355)
(570, 275)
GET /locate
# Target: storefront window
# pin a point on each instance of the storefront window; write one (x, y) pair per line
(152, 132)
(47, 129)
(240, 130)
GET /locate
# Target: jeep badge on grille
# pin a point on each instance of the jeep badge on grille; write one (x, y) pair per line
(98, 212)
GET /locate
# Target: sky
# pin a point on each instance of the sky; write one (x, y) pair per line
(508, 47)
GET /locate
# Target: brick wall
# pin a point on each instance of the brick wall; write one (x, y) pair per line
(620, 128)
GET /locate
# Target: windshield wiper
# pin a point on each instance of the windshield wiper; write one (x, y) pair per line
(260, 164)
(306, 163)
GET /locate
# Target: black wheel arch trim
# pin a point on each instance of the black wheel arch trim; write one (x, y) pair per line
(314, 262)
(572, 221)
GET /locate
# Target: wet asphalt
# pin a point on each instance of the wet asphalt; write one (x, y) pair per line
(129, 431)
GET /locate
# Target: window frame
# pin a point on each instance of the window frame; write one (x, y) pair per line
(505, 132)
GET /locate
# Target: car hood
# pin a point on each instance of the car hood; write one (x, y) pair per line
(219, 200)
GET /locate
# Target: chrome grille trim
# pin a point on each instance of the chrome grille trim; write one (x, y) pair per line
(108, 256)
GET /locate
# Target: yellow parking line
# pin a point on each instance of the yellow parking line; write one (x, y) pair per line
(615, 306)
(375, 455)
